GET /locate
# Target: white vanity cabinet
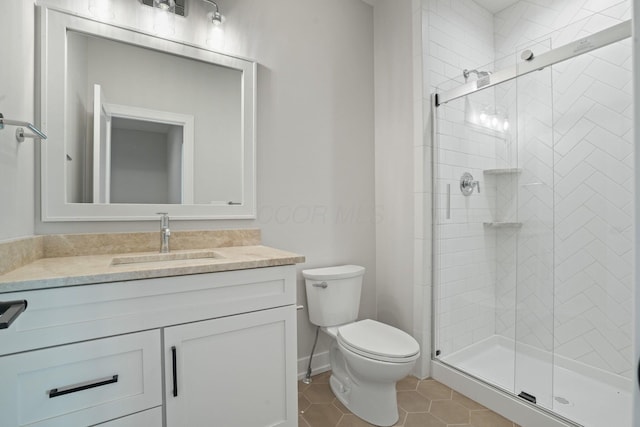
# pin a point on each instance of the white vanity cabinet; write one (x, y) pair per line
(227, 340)
(233, 371)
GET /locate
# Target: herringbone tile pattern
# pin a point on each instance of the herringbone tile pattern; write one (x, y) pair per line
(577, 224)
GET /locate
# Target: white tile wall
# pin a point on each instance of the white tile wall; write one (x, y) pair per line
(459, 35)
(589, 316)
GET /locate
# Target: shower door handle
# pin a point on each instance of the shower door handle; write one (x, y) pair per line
(448, 201)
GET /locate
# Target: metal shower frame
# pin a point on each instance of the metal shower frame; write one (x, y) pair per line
(594, 41)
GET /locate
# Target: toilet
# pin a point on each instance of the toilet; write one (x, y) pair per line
(367, 357)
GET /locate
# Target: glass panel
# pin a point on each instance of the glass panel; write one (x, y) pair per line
(594, 236)
(533, 275)
(534, 250)
(474, 136)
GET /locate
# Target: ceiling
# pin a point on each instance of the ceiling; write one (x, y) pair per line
(495, 6)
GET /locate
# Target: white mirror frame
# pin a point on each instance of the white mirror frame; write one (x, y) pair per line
(51, 40)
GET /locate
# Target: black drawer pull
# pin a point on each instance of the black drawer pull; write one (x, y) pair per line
(175, 371)
(9, 311)
(55, 392)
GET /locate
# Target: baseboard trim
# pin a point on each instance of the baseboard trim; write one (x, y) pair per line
(319, 364)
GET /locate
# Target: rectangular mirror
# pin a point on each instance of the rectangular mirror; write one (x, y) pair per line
(139, 124)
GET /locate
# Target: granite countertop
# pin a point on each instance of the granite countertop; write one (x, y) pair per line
(40, 271)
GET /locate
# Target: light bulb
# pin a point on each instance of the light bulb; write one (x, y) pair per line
(483, 117)
(505, 125)
(163, 4)
(494, 122)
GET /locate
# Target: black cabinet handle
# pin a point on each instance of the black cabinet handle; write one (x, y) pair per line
(9, 311)
(175, 371)
(55, 392)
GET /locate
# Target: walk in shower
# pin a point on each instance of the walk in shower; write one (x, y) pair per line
(533, 213)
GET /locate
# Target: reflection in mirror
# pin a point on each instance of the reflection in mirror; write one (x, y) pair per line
(146, 159)
(138, 154)
(127, 140)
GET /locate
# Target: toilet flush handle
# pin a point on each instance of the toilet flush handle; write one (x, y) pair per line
(322, 285)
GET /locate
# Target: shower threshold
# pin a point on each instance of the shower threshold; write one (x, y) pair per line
(586, 395)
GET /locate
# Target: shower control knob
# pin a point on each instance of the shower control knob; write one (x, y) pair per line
(467, 184)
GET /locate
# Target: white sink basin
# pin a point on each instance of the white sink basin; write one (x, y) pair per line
(166, 257)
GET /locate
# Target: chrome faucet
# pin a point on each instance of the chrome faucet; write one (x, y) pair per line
(467, 184)
(165, 232)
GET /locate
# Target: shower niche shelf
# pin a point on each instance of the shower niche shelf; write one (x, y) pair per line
(497, 225)
(502, 171)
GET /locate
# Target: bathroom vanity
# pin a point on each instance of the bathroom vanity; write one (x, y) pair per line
(171, 342)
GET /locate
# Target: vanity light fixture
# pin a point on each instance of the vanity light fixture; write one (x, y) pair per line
(164, 4)
(177, 7)
(215, 16)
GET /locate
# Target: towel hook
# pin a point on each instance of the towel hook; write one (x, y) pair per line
(20, 134)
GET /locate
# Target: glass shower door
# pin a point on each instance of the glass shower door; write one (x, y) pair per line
(494, 247)
(533, 249)
(474, 178)
(534, 284)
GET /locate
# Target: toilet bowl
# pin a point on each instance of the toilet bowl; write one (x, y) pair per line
(367, 357)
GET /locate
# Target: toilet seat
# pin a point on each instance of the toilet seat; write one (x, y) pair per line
(378, 341)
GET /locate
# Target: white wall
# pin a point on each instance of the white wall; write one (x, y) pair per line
(139, 166)
(315, 127)
(394, 153)
(402, 176)
(16, 102)
(174, 163)
(78, 107)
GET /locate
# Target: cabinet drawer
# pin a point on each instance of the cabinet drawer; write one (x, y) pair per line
(82, 384)
(148, 418)
(78, 313)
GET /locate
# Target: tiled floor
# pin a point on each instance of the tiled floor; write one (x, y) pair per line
(425, 403)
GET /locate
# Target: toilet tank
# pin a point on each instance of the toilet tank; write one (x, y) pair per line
(333, 294)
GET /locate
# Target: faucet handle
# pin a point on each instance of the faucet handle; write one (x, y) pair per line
(467, 184)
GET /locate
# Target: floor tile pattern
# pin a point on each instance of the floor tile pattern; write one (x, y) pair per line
(421, 403)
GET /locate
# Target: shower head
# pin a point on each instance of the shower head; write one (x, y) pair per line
(479, 74)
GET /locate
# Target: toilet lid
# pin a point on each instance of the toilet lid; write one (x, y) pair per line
(378, 341)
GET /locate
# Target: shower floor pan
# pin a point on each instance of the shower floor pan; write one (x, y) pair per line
(586, 395)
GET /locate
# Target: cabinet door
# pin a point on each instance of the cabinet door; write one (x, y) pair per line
(237, 371)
